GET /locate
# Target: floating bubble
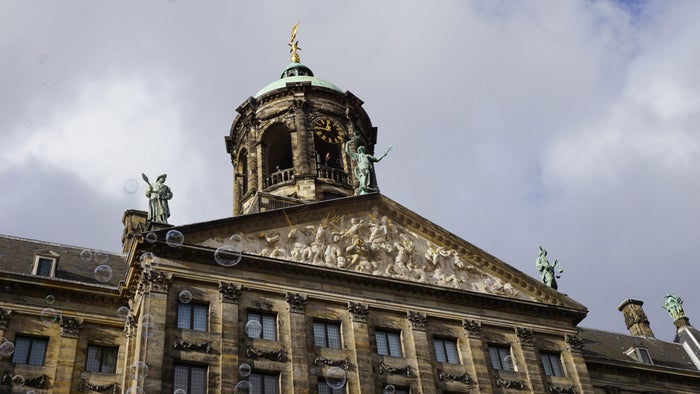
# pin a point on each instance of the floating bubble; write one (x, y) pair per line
(42, 59)
(6, 348)
(18, 380)
(50, 299)
(235, 239)
(123, 312)
(28, 124)
(49, 316)
(46, 82)
(174, 238)
(147, 326)
(138, 370)
(227, 256)
(508, 362)
(180, 391)
(85, 255)
(244, 369)
(253, 329)
(243, 387)
(131, 186)
(103, 273)
(135, 390)
(151, 237)
(185, 296)
(100, 258)
(148, 260)
(389, 389)
(336, 377)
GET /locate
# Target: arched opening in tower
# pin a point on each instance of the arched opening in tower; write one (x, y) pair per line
(278, 163)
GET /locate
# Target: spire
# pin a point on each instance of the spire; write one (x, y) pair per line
(294, 44)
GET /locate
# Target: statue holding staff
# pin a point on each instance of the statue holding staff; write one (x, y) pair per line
(364, 167)
(158, 195)
(548, 272)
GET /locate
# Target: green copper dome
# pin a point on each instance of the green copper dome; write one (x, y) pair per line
(296, 72)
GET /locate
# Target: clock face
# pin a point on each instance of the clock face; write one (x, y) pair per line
(328, 130)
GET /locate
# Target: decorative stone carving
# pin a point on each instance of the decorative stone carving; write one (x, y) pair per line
(464, 378)
(297, 302)
(5, 318)
(345, 364)
(472, 327)
(525, 335)
(38, 382)
(129, 326)
(84, 384)
(179, 344)
(382, 367)
(510, 384)
(230, 292)
(552, 388)
(574, 342)
(274, 355)
(70, 327)
(417, 320)
(359, 311)
(154, 281)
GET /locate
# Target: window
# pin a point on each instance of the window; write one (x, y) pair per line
(264, 383)
(44, 266)
(551, 362)
(192, 316)
(101, 359)
(327, 335)
(29, 350)
(446, 350)
(388, 343)
(640, 354)
(501, 358)
(324, 388)
(268, 322)
(191, 378)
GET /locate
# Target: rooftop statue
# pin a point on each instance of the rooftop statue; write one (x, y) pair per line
(158, 195)
(548, 272)
(294, 44)
(364, 169)
(674, 306)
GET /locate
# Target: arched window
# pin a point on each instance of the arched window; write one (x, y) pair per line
(278, 163)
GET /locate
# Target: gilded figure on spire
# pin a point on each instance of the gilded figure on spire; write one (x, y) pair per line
(294, 44)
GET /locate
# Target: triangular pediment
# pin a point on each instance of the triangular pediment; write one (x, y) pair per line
(373, 235)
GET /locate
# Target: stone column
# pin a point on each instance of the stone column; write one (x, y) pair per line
(253, 154)
(303, 156)
(529, 360)
(480, 361)
(67, 348)
(229, 294)
(426, 380)
(575, 365)
(297, 348)
(363, 352)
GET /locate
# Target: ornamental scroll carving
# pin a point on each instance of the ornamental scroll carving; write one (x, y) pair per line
(297, 302)
(84, 384)
(179, 344)
(552, 388)
(510, 384)
(525, 335)
(574, 342)
(38, 382)
(359, 311)
(345, 364)
(129, 326)
(273, 355)
(154, 281)
(371, 243)
(70, 327)
(464, 378)
(417, 320)
(230, 292)
(472, 327)
(383, 367)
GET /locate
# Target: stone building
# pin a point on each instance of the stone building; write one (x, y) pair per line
(316, 284)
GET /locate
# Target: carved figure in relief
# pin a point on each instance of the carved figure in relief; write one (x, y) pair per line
(301, 245)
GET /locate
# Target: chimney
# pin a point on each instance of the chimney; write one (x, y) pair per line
(635, 318)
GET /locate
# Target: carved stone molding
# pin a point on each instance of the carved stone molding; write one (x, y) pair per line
(552, 388)
(525, 335)
(472, 327)
(5, 318)
(574, 342)
(230, 292)
(179, 344)
(382, 367)
(38, 382)
(154, 281)
(510, 384)
(417, 319)
(297, 302)
(464, 378)
(70, 327)
(345, 364)
(273, 355)
(84, 384)
(129, 326)
(359, 311)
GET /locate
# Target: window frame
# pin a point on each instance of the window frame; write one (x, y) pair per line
(552, 359)
(193, 307)
(28, 357)
(102, 356)
(52, 268)
(264, 334)
(262, 384)
(327, 341)
(638, 353)
(190, 368)
(387, 342)
(323, 388)
(442, 342)
(501, 351)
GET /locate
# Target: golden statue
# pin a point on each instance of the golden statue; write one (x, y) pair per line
(294, 44)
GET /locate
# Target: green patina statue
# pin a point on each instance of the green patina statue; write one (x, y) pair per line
(364, 168)
(158, 195)
(548, 272)
(674, 306)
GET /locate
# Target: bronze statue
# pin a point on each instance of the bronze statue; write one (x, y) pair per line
(548, 272)
(674, 306)
(158, 195)
(364, 169)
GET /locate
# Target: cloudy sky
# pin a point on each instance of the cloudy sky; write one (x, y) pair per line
(572, 125)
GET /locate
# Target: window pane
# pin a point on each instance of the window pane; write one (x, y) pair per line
(21, 350)
(198, 380)
(36, 356)
(440, 350)
(182, 374)
(644, 354)
(109, 360)
(184, 316)
(319, 334)
(333, 336)
(324, 388)
(199, 322)
(93, 359)
(451, 351)
(382, 346)
(270, 384)
(394, 344)
(44, 267)
(269, 327)
(546, 365)
(257, 381)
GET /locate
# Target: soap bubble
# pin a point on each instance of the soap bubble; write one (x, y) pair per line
(138, 370)
(100, 258)
(131, 186)
(235, 239)
(151, 237)
(49, 316)
(135, 390)
(336, 377)
(50, 299)
(46, 82)
(42, 59)
(253, 329)
(508, 363)
(180, 391)
(123, 312)
(243, 387)
(85, 255)
(147, 326)
(185, 296)
(28, 124)
(244, 369)
(227, 256)
(389, 389)
(148, 260)
(6, 348)
(103, 273)
(174, 238)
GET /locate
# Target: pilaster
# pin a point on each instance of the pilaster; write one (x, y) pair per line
(479, 361)
(67, 348)
(575, 364)
(229, 296)
(297, 335)
(303, 138)
(360, 334)
(422, 351)
(529, 360)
